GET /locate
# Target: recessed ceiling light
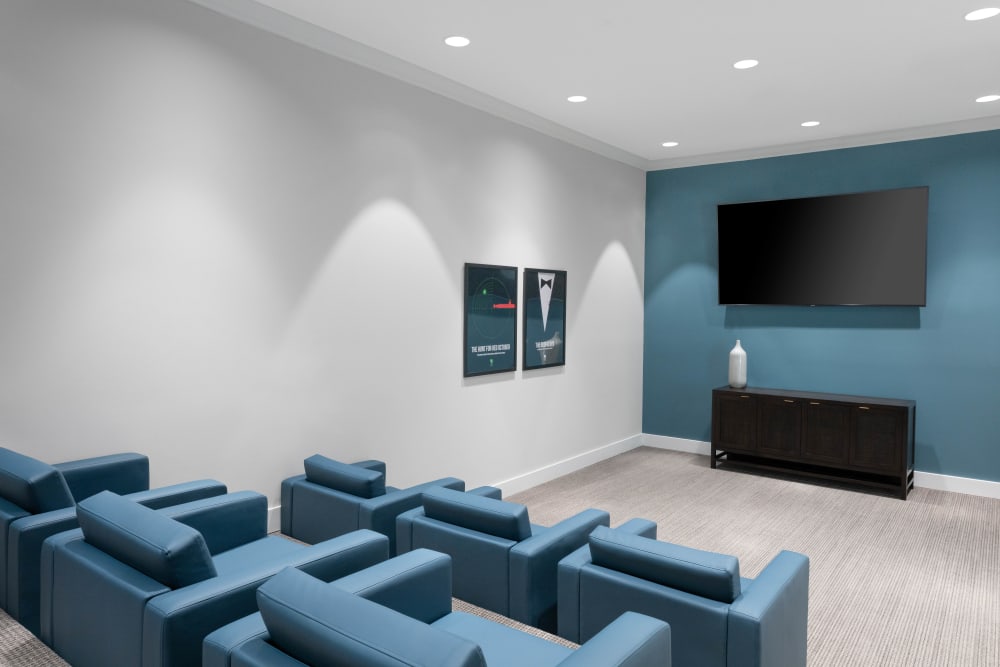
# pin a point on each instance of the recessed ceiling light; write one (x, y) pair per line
(810, 123)
(669, 144)
(984, 13)
(988, 98)
(746, 64)
(576, 98)
(457, 41)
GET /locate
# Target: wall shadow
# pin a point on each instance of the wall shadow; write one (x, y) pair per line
(823, 317)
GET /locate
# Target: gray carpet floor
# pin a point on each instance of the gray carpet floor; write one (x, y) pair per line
(903, 583)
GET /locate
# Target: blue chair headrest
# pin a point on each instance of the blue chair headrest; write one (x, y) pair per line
(323, 626)
(486, 515)
(161, 548)
(710, 575)
(355, 480)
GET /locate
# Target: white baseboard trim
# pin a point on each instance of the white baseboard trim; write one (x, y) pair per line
(566, 466)
(923, 480)
(968, 485)
(676, 444)
(274, 519)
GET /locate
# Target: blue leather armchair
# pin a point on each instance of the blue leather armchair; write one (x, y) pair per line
(399, 613)
(718, 619)
(38, 500)
(334, 498)
(139, 587)
(500, 560)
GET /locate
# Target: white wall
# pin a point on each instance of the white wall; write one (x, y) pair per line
(229, 252)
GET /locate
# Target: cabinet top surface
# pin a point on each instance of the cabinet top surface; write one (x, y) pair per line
(819, 396)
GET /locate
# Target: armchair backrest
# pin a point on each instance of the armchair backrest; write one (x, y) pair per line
(32, 485)
(346, 478)
(486, 515)
(163, 549)
(702, 573)
(322, 625)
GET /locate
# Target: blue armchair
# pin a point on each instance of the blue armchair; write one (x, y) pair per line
(500, 560)
(38, 500)
(141, 587)
(398, 613)
(334, 498)
(718, 619)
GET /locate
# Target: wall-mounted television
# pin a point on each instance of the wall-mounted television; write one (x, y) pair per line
(867, 248)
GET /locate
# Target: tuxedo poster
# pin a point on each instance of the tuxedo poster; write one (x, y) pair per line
(490, 319)
(544, 318)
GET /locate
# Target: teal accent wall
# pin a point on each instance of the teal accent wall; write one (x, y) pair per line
(945, 356)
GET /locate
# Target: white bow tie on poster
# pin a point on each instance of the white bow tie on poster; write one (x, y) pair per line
(545, 295)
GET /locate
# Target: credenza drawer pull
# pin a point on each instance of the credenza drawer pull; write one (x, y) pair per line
(815, 403)
(788, 400)
(863, 407)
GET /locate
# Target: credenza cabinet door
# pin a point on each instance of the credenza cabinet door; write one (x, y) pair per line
(825, 432)
(736, 422)
(878, 438)
(780, 430)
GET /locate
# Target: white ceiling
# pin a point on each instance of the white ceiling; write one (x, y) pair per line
(869, 70)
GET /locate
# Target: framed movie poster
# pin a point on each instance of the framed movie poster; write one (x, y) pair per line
(490, 319)
(544, 318)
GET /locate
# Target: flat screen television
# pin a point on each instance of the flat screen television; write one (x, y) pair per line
(867, 248)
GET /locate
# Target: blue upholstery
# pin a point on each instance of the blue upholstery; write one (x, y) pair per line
(718, 619)
(139, 579)
(513, 577)
(334, 498)
(38, 500)
(404, 522)
(398, 613)
(354, 480)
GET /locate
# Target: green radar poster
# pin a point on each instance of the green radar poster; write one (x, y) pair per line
(490, 319)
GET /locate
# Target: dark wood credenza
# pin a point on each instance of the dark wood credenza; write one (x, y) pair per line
(855, 439)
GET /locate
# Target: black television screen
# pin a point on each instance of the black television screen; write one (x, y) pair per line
(868, 248)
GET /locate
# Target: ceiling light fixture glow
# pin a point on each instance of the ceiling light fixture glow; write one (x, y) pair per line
(746, 64)
(988, 98)
(810, 123)
(457, 41)
(984, 13)
(575, 99)
(669, 144)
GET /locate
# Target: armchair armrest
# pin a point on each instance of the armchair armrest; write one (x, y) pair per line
(379, 513)
(632, 640)
(768, 623)
(533, 566)
(218, 647)
(121, 473)
(417, 584)
(371, 464)
(225, 521)
(175, 494)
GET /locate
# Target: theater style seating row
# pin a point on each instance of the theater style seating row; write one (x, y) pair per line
(201, 581)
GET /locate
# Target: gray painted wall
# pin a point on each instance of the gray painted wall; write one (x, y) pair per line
(230, 252)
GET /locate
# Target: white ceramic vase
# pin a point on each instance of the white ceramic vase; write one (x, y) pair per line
(737, 367)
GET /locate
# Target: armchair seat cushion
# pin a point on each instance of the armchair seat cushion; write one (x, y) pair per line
(251, 557)
(165, 550)
(502, 644)
(355, 480)
(703, 573)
